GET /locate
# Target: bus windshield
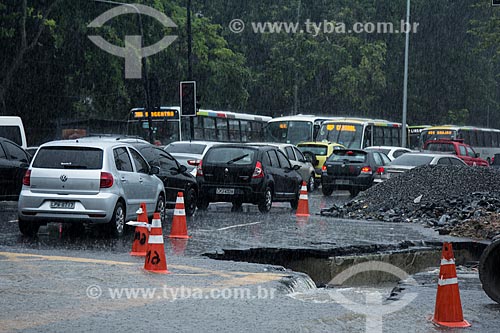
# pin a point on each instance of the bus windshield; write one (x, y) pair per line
(427, 135)
(164, 132)
(289, 131)
(346, 134)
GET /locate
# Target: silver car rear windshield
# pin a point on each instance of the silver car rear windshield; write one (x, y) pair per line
(230, 155)
(69, 158)
(412, 160)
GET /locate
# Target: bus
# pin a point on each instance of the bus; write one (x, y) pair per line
(12, 128)
(209, 125)
(294, 129)
(359, 133)
(414, 135)
(485, 141)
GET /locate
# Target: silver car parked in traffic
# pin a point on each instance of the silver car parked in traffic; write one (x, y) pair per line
(95, 182)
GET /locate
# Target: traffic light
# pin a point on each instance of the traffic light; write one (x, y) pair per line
(188, 98)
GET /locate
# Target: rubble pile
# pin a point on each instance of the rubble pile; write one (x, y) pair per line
(453, 199)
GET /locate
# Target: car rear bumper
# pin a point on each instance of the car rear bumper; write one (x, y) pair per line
(36, 207)
(247, 194)
(346, 183)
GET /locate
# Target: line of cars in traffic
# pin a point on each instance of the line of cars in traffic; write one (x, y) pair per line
(103, 180)
(357, 170)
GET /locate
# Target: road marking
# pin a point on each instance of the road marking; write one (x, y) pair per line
(87, 308)
(12, 221)
(238, 225)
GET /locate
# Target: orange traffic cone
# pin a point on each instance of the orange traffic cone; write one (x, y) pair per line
(448, 311)
(141, 235)
(303, 207)
(179, 223)
(156, 261)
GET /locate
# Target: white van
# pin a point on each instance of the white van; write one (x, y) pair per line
(12, 128)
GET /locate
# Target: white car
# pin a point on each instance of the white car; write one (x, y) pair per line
(190, 153)
(391, 151)
(94, 182)
(412, 160)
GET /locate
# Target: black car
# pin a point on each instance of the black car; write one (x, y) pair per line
(353, 170)
(14, 162)
(241, 173)
(175, 177)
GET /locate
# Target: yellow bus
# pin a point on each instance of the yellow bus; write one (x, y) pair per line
(485, 141)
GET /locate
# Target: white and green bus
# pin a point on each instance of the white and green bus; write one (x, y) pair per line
(208, 125)
(359, 133)
(294, 129)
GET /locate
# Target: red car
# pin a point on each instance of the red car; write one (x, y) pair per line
(457, 147)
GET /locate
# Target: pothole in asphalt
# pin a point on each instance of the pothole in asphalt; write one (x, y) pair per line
(325, 266)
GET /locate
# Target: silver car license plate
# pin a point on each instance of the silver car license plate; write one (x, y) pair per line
(229, 191)
(62, 204)
(342, 182)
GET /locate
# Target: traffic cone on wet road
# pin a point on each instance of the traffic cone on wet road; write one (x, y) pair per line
(303, 207)
(141, 233)
(448, 311)
(179, 223)
(156, 261)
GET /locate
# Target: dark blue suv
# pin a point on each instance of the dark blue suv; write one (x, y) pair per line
(241, 173)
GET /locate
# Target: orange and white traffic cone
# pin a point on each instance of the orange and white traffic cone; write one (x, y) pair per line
(141, 235)
(156, 261)
(179, 223)
(303, 207)
(448, 311)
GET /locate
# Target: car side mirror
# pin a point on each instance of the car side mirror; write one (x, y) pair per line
(154, 170)
(478, 155)
(296, 167)
(182, 169)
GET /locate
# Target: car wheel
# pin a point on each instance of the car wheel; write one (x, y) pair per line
(295, 202)
(161, 208)
(311, 184)
(266, 201)
(202, 204)
(116, 226)
(327, 191)
(28, 228)
(190, 198)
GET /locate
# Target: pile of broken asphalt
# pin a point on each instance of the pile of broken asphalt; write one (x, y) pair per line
(455, 200)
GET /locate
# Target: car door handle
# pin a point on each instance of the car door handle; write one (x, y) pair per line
(141, 180)
(123, 179)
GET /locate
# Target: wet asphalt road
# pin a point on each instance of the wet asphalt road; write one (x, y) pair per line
(45, 282)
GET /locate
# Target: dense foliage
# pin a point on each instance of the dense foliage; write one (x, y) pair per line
(51, 70)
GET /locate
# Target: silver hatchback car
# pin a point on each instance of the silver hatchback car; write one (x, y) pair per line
(95, 182)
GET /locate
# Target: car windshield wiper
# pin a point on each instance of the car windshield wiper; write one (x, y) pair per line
(236, 159)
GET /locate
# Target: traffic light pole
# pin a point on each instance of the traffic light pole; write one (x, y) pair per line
(190, 59)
